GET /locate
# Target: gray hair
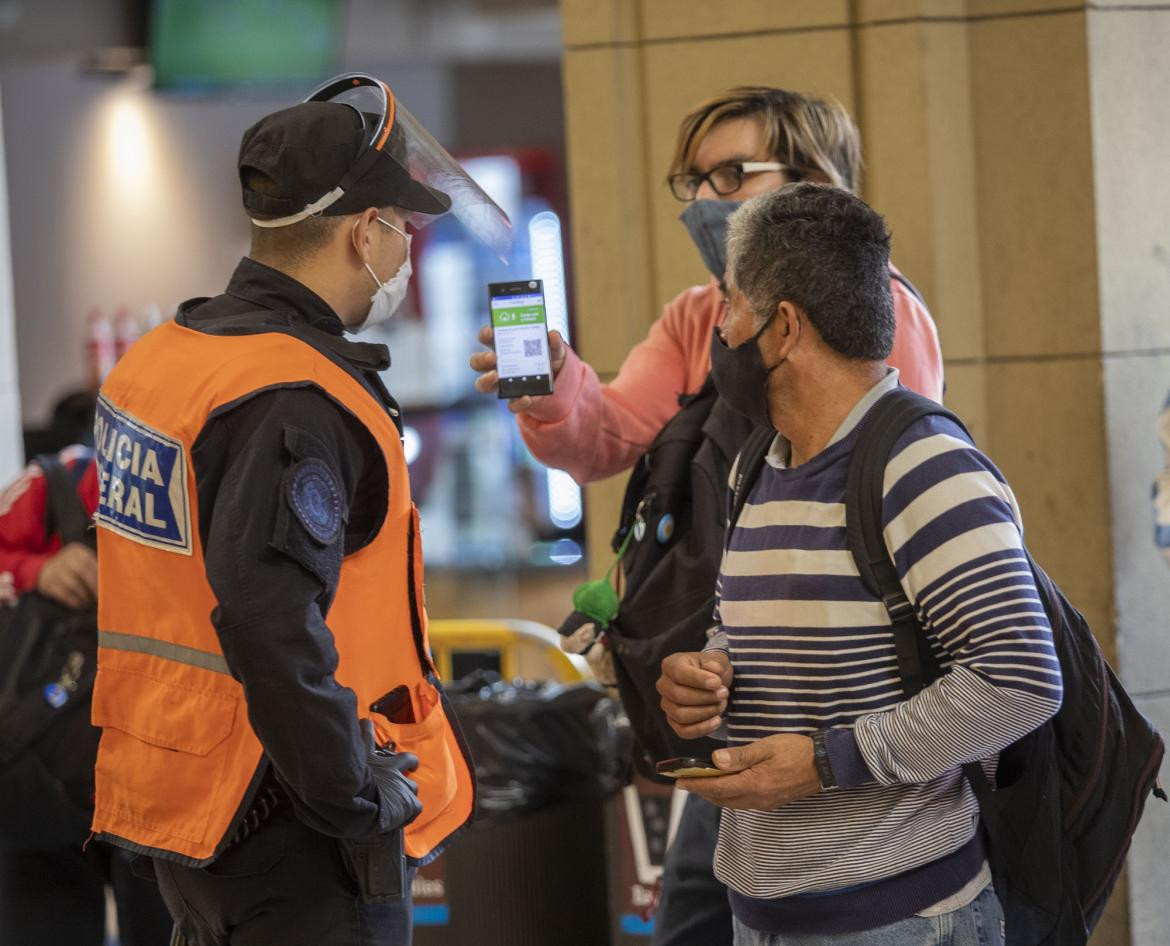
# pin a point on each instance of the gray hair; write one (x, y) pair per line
(826, 251)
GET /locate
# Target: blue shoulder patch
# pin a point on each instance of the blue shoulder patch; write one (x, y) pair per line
(315, 497)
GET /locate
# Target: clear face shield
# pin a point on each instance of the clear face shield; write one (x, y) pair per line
(395, 132)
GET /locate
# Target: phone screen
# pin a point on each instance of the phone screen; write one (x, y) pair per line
(520, 331)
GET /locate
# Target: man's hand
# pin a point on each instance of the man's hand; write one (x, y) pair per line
(70, 576)
(484, 362)
(399, 804)
(769, 773)
(694, 688)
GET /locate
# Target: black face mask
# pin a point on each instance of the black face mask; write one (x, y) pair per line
(740, 376)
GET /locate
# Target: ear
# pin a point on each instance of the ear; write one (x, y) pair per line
(785, 330)
(362, 233)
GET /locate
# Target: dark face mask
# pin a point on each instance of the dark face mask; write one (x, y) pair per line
(741, 377)
(706, 222)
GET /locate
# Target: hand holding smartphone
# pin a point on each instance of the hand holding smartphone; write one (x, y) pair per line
(520, 338)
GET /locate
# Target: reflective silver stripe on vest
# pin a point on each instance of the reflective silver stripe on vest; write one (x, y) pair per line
(133, 643)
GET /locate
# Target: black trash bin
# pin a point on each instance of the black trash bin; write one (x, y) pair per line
(532, 868)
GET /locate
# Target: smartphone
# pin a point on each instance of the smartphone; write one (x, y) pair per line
(395, 705)
(688, 767)
(520, 337)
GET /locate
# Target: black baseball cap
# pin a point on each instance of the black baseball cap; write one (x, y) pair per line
(306, 151)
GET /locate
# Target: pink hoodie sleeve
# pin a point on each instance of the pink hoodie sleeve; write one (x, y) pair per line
(917, 354)
(595, 430)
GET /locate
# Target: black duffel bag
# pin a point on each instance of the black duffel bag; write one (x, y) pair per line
(48, 657)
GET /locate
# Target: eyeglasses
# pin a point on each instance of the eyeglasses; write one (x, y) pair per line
(724, 179)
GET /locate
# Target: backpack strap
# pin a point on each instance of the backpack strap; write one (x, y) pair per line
(64, 513)
(879, 430)
(686, 424)
(877, 433)
(747, 469)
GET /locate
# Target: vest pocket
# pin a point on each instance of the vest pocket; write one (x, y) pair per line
(435, 776)
(163, 751)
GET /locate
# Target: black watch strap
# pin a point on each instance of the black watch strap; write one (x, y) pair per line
(822, 761)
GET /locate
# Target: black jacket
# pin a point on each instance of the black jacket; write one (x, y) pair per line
(274, 581)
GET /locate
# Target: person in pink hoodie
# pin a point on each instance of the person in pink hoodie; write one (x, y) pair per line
(744, 142)
(739, 144)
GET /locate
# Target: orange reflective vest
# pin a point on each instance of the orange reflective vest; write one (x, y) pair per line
(177, 753)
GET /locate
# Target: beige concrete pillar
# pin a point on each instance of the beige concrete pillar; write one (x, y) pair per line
(1129, 83)
(1016, 148)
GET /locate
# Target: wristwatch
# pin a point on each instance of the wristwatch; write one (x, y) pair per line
(821, 759)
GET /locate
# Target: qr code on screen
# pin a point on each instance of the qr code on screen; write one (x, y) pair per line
(533, 348)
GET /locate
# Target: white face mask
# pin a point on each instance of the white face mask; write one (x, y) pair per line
(389, 295)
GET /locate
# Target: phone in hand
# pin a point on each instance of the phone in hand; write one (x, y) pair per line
(520, 338)
(688, 766)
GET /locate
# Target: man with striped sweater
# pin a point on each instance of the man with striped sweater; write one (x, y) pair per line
(847, 819)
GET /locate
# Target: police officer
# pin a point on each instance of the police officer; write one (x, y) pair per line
(274, 734)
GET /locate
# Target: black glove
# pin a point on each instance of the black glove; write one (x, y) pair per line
(377, 864)
(398, 803)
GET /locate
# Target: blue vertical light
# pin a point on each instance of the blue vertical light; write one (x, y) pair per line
(548, 265)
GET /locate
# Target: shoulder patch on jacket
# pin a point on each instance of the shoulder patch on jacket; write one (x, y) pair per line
(315, 497)
(142, 481)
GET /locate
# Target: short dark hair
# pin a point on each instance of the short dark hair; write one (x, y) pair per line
(825, 250)
(294, 243)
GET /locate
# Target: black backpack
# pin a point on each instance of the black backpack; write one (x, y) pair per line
(1069, 795)
(48, 656)
(676, 506)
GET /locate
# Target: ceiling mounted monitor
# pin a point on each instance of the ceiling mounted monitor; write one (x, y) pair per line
(210, 45)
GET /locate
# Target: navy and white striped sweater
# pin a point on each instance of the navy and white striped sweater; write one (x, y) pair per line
(811, 648)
